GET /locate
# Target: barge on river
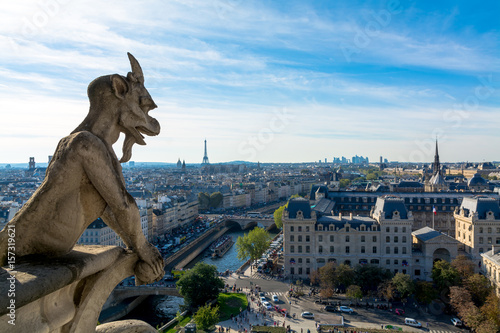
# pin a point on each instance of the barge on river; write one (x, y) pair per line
(221, 246)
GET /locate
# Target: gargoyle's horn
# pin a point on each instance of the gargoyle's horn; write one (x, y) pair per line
(136, 68)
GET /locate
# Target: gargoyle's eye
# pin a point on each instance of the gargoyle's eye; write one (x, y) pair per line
(147, 102)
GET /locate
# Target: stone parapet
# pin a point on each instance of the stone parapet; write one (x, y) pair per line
(63, 294)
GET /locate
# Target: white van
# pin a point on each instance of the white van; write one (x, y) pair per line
(412, 322)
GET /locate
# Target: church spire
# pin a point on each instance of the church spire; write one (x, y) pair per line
(437, 165)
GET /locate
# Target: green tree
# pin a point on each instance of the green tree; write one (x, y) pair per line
(344, 276)
(444, 275)
(344, 183)
(354, 292)
(368, 277)
(278, 217)
(425, 292)
(206, 317)
(371, 176)
(491, 310)
(252, 245)
(403, 284)
(479, 288)
(215, 199)
(203, 200)
(200, 284)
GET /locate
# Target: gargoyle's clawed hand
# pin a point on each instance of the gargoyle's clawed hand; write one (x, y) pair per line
(151, 266)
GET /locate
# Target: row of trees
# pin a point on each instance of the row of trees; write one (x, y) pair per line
(209, 201)
(470, 294)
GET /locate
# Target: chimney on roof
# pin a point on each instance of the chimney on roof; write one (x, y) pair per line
(340, 216)
(350, 216)
(494, 250)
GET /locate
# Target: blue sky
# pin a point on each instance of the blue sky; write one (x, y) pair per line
(269, 81)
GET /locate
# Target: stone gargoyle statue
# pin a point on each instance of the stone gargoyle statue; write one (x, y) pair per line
(84, 179)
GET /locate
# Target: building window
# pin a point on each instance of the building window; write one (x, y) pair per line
(308, 270)
(308, 261)
(489, 240)
(374, 250)
(404, 229)
(374, 261)
(481, 250)
(347, 239)
(362, 249)
(395, 239)
(480, 230)
(362, 228)
(395, 229)
(320, 227)
(387, 229)
(347, 249)
(320, 249)
(308, 249)
(299, 229)
(292, 249)
(387, 239)
(292, 238)
(308, 239)
(417, 272)
(320, 238)
(404, 271)
(498, 240)
(300, 260)
(292, 270)
(489, 230)
(396, 262)
(404, 250)
(300, 248)
(396, 250)
(291, 228)
(346, 229)
(374, 239)
(362, 239)
(307, 228)
(331, 249)
(331, 238)
(388, 250)
(404, 239)
(480, 240)
(388, 262)
(300, 238)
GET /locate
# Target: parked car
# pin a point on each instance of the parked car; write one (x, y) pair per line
(263, 299)
(330, 308)
(456, 322)
(399, 312)
(275, 299)
(267, 305)
(412, 322)
(308, 315)
(346, 309)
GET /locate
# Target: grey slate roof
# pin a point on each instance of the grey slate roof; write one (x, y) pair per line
(482, 205)
(356, 221)
(390, 203)
(424, 234)
(324, 206)
(296, 204)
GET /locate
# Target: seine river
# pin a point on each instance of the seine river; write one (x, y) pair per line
(157, 310)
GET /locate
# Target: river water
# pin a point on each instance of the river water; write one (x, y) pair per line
(157, 310)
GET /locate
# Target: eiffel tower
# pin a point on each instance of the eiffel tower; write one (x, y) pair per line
(205, 157)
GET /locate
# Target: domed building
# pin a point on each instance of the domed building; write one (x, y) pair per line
(477, 183)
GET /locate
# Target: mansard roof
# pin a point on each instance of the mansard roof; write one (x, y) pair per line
(390, 203)
(482, 205)
(299, 204)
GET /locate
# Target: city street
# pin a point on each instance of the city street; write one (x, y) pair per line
(361, 318)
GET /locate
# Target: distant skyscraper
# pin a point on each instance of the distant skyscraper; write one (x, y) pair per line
(381, 160)
(205, 157)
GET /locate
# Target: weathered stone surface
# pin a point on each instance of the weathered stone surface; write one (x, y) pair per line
(84, 180)
(126, 326)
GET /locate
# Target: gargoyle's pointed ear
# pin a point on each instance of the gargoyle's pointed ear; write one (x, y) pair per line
(120, 86)
(136, 68)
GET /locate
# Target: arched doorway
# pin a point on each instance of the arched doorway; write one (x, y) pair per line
(441, 254)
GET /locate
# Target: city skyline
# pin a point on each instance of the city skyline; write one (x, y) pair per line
(269, 82)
